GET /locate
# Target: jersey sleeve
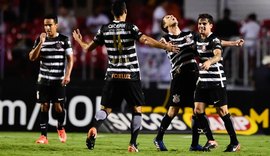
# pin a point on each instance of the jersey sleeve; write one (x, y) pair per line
(99, 38)
(36, 43)
(68, 48)
(136, 32)
(216, 43)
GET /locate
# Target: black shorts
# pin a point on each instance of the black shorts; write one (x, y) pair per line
(182, 89)
(49, 93)
(115, 91)
(212, 96)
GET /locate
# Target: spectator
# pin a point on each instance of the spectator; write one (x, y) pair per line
(66, 21)
(96, 20)
(262, 75)
(9, 15)
(158, 14)
(250, 31)
(226, 27)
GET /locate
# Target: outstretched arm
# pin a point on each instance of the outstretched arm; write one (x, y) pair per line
(238, 43)
(78, 38)
(154, 43)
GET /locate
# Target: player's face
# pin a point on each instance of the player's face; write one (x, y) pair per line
(170, 20)
(204, 26)
(50, 27)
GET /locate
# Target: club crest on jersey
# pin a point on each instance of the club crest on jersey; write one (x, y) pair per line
(176, 98)
(203, 48)
(58, 45)
(188, 39)
(216, 40)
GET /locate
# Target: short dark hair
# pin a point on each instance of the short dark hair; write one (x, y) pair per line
(252, 16)
(162, 25)
(52, 16)
(118, 8)
(206, 16)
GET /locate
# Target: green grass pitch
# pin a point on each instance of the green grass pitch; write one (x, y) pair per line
(107, 144)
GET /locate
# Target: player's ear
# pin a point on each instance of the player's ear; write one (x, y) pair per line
(125, 11)
(211, 25)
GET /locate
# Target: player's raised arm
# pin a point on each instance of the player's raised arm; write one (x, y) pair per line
(237, 43)
(78, 38)
(34, 53)
(154, 43)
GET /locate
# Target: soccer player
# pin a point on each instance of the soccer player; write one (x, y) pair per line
(56, 61)
(211, 85)
(123, 73)
(184, 74)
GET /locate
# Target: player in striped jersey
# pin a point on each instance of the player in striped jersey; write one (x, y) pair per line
(123, 72)
(184, 74)
(211, 84)
(56, 61)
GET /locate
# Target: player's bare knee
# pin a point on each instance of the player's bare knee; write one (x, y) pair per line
(137, 109)
(44, 107)
(222, 111)
(172, 112)
(198, 110)
(58, 107)
(107, 110)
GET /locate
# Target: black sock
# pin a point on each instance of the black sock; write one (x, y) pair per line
(60, 118)
(202, 118)
(166, 121)
(135, 127)
(230, 129)
(44, 118)
(195, 134)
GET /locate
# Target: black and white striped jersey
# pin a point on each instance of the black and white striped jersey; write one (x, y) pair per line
(185, 59)
(119, 39)
(53, 58)
(215, 76)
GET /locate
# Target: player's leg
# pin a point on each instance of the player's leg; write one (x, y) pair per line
(196, 131)
(226, 117)
(135, 126)
(177, 88)
(109, 98)
(42, 99)
(100, 117)
(58, 100)
(165, 123)
(44, 118)
(204, 123)
(60, 116)
(134, 96)
(188, 82)
(203, 97)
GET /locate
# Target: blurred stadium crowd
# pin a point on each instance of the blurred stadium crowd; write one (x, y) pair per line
(22, 21)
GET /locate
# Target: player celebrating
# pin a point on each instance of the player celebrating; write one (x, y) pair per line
(211, 85)
(184, 75)
(123, 73)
